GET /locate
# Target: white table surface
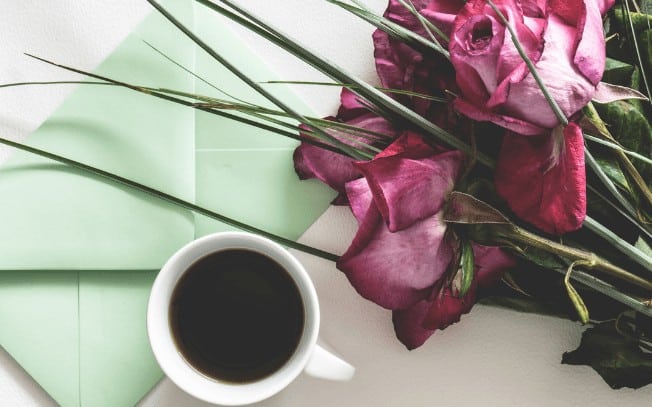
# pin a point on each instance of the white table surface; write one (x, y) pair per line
(493, 357)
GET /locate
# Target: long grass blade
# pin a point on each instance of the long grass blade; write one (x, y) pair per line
(171, 199)
(393, 29)
(193, 74)
(389, 106)
(352, 86)
(617, 147)
(252, 84)
(186, 103)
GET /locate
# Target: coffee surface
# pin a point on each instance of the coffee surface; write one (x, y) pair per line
(236, 315)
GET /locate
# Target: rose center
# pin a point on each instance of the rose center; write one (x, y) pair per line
(481, 34)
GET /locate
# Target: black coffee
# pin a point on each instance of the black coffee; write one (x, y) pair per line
(236, 315)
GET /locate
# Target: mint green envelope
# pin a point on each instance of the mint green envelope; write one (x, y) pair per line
(79, 254)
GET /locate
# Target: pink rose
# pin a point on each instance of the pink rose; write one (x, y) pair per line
(401, 256)
(563, 38)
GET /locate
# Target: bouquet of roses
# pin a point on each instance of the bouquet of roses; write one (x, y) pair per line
(504, 158)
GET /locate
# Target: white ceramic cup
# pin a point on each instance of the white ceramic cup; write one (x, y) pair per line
(308, 356)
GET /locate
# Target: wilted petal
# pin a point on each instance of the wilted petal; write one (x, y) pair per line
(395, 270)
(490, 262)
(360, 198)
(350, 106)
(608, 92)
(442, 13)
(400, 66)
(590, 54)
(409, 145)
(446, 309)
(570, 89)
(408, 324)
(543, 179)
(484, 115)
(333, 169)
(406, 190)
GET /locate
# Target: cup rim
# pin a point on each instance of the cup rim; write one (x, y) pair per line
(175, 366)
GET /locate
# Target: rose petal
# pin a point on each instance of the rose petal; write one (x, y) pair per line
(510, 123)
(608, 92)
(333, 169)
(408, 324)
(570, 90)
(409, 145)
(400, 66)
(442, 13)
(590, 53)
(350, 106)
(395, 270)
(360, 198)
(543, 179)
(491, 263)
(407, 190)
(446, 309)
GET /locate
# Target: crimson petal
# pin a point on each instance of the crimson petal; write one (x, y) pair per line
(408, 324)
(395, 270)
(543, 179)
(447, 309)
(406, 190)
(490, 262)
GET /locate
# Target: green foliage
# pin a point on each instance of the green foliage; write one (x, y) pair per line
(617, 357)
(630, 128)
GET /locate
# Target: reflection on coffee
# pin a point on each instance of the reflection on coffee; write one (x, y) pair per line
(236, 315)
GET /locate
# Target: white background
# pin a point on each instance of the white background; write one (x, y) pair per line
(493, 357)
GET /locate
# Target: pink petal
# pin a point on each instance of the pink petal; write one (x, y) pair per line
(399, 66)
(491, 263)
(409, 145)
(350, 106)
(569, 87)
(543, 179)
(360, 198)
(408, 324)
(511, 123)
(447, 309)
(333, 169)
(395, 270)
(608, 92)
(442, 13)
(407, 190)
(590, 54)
(605, 5)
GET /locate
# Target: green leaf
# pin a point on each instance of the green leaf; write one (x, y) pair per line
(610, 166)
(466, 270)
(631, 129)
(618, 72)
(643, 246)
(617, 358)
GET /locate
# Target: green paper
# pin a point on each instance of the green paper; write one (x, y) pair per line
(40, 328)
(115, 361)
(56, 218)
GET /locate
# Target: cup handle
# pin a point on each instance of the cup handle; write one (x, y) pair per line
(324, 365)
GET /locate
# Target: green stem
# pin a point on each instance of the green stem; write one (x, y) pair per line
(171, 199)
(588, 260)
